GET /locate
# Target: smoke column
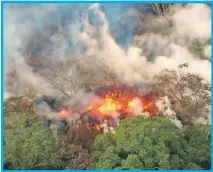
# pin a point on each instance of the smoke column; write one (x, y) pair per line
(105, 33)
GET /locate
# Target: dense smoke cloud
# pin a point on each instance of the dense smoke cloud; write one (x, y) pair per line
(171, 49)
(195, 24)
(132, 65)
(26, 26)
(95, 33)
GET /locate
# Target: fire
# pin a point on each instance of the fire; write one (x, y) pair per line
(131, 104)
(118, 100)
(109, 106)
(88, 108)
(98, 127)
(89, 126)
(113, 104)
(64, 113)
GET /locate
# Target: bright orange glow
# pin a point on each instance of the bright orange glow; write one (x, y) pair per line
(120, 101)
(64, 113)
(88, 108)
(98, 127)
(88, 125)
(114, 101)
(131, 104)
(109, 106)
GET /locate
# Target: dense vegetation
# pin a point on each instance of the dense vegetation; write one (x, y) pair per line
(139, 142)
(144, 143)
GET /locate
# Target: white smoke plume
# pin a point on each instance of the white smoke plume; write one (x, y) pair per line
(207, 51)
(131, 65)
(164, 107)
(136, 106)
(194, 21)
(150, 52)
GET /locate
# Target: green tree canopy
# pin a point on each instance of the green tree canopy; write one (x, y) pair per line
(149, 143)
(31, 148)
(197, 147)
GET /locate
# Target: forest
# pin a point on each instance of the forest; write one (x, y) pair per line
(107, 86)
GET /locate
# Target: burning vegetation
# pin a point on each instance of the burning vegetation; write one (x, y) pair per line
(106, 107)
(118, 123)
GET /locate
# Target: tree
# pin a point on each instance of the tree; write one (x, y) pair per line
(77, 157)
(69, 76)
(152, 143)
(164, 9)
(189, 93)
(139, 143)
(80, 136)
(197, 147)
(12, 82)
(31, 147)
(161, 9)
(15, 86)
(196, 48)
(15, 105)
(63, 78)
(35, 146)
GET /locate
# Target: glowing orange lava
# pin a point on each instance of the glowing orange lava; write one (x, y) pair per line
(120, 101)
(64, 113)
(109, 106)
(114, 102)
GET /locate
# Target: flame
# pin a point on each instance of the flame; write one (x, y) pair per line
(131, 104)
(98, 127)
(116, 102)
(109, 106)
(78, 123)
(88, 125)
(64, 113)
(88, 108)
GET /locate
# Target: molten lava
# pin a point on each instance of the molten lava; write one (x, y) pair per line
(109, 105)
(120, 100)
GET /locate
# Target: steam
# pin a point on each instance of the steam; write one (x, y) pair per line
(132, 65)
(136, 107)
(150, 53)
(207, 51)
(164, 107)
(194, 21)
(95, 40)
